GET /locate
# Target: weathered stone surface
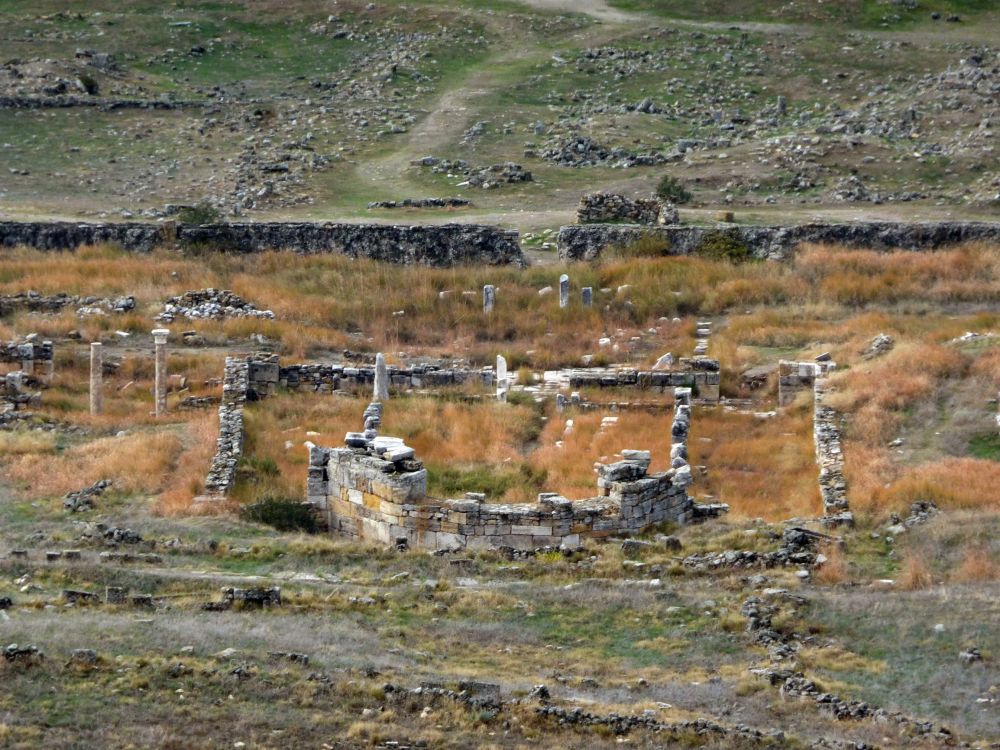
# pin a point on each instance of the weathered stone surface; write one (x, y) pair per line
(437, 245)
(586, 242)
(599, 208)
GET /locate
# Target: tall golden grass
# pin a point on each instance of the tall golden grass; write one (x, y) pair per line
(330, 302)
(135, 463)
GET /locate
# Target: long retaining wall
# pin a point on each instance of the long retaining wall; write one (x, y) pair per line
(587, 242)
(431, 245)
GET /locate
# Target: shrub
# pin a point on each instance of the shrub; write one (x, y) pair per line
(284, 515)
(671, 189)
(89, 84)
(202, 213)
(722, 245)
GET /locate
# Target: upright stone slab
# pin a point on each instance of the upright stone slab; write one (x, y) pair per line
(587, 295)
(489, 298)
(501, 378)
(160, 383)
(564, 290)
(381, 392)
(96, 377)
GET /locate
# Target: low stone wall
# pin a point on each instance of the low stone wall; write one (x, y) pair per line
(266, 375)
(587, 242)
(597, 208)
(433, 245)
(830, 459)
(701, 374)
(367, 495)
(36, 358)
(793, 378)
(34, 302)
(229, 445)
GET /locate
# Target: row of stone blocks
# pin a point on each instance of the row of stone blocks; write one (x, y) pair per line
(365, 496)
(701, 374)
(266, 375)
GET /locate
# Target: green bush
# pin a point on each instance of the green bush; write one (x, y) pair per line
(723, 245)
(89, 84)
(673, 190)
(284, 515)
(203, 213)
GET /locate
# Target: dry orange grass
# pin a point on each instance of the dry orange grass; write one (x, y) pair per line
(914, 573)
(762, 468)
(977, 566)
(835, 569)
(952, 483)
(876, 393)
(186, 480)
(136, 463)
(571, 466)
(970, 273)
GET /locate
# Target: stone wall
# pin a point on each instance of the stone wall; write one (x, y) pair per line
(576, 242)
(830, 459)
(793, 378)
(378, 492)
(35, 358)
(701, 374)
(432, 245)
(266, 375)
(597, 208)
(229, 445)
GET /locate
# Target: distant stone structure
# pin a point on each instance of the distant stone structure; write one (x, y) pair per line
(601, 208)
(431, 245)
(701, 374)
(377, 490)
(587, 242)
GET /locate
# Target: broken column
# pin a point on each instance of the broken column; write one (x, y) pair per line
(587, 295)
(489, 298)
(160, 382)
(564, 290)
(96, 377)
(501, 378)
(381, 392)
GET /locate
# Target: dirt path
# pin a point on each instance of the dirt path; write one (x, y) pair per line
(597, 8)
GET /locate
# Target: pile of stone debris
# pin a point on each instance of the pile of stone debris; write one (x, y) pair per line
(208, 304)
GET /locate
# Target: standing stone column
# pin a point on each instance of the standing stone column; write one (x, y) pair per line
(587, 295)
(564, 291)
(96, 377)
(160, 383)
(501, 378)
(489, 298)
(381, 391)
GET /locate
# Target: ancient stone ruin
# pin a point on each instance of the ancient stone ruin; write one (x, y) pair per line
(588, 242)
(600, 208)
(374, 488)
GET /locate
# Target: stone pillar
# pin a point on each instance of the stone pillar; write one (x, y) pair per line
(381, 392)
(564, 291)
(96, 377)
(49, 365)
(782, 105)
(489, 298)
(587, 295)
(501, 378)
(160, 384)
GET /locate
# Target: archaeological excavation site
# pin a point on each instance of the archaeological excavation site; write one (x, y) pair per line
(500, 374)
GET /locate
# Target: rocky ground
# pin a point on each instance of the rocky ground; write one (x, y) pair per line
(334, 109)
